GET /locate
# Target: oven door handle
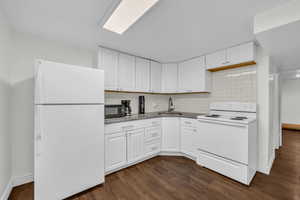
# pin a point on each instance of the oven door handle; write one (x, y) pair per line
(223, 123)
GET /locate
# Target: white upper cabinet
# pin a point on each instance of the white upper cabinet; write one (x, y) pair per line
(155, 76)
(170, 78)
(126, 75)
(216, 59)
(240, 54)
(142, 74)
(108, 61)
(235, 55)
(192, 76)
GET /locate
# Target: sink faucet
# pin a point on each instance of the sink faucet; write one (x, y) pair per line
(171, 107)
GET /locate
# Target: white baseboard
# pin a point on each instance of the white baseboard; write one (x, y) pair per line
(268, 168)
(20, 180)
(7, 190)
(270, 164)
(16, 181)
(170, 153)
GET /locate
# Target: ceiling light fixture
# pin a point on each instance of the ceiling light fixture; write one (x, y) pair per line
(297, 75)
(127, 13)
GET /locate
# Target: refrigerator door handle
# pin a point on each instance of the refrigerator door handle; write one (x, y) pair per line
(38, 136)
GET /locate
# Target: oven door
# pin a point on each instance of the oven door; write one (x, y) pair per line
(228, 140)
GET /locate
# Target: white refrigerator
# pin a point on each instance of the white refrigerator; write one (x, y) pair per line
(69, 130)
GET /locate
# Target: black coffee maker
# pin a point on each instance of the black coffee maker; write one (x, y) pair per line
(126, 104)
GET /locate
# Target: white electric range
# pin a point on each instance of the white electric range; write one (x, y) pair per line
(227, 140)
(233, 112)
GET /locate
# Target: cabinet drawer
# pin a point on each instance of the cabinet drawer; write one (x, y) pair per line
(124, 126)
(188, 122)
(223, 166)
(155, 122)
(152, 148)
(152, 133)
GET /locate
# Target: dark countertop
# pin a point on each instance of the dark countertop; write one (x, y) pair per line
(151, 116)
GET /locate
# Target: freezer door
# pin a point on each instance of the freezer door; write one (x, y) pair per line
(69, 150)
(57, 83)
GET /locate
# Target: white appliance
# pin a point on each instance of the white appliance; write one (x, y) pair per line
(227, 140)
(69, 130)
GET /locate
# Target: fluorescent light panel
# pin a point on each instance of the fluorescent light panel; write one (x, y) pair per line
(127, 13)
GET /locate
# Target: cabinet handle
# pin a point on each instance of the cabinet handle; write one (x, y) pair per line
(188, 122)
(226, 62)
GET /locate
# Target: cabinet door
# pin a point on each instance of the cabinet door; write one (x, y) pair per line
(152, 133)
(191, 76)
(142, 75)
(135, 145)
(108, 61)
(115, 151)
(126, 73)
(240, 54)
(216, 59)
(171, 134)
(188, 136)
(170, 78)
(156, 76)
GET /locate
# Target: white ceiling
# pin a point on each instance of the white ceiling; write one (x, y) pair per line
(283, 45)
(172, 30)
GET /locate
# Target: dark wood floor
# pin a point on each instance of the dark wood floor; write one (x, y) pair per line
(176, 178)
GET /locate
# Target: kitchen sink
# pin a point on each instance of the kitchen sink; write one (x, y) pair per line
(170, 113)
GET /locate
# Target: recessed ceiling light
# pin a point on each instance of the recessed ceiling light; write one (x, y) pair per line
(297, 75)
(127, 13)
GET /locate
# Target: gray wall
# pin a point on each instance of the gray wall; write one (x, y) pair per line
(27, 48)
(5, 142)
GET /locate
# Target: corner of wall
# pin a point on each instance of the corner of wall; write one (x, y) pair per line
(263, 101)
(7, 190)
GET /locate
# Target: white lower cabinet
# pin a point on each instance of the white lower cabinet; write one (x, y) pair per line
(152, 133)
(152, 148)
(171, 134)
(127, 143)
(188, 135)
(152, 140)
(115, 150)
(135, 145)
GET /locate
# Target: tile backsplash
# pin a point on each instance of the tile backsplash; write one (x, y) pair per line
(237, 84)
(229, 85)
(153, 103)
(234, 85)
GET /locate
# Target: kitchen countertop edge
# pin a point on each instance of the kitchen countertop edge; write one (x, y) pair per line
(151, 115)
